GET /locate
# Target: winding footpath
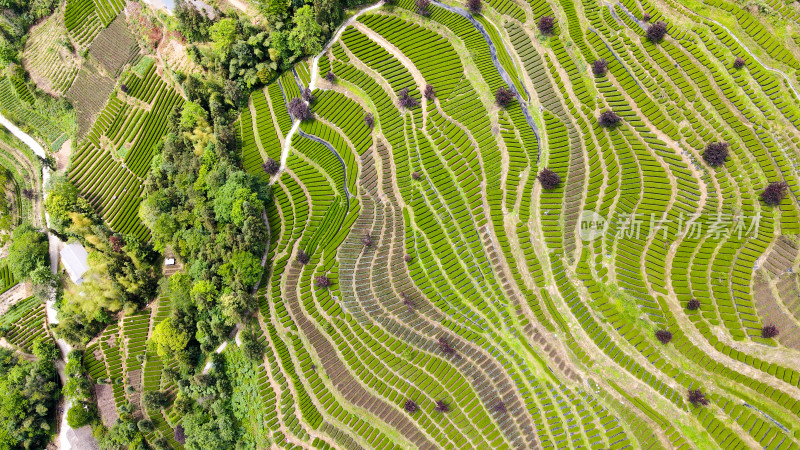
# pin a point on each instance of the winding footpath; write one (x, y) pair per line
(287, 143)
(503, 73)
(54, 244)
(461, 12)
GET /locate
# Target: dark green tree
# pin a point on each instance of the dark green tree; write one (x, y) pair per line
(28, 250)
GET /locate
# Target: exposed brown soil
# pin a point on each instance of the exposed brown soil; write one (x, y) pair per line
(105, 404)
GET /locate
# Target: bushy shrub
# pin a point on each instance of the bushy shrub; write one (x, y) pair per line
(774, 193)
(445, 347)
(271, 167)
(716, 153)
(503, 97)
(155, 400)
(656, 32)
(429, 92)
(369, 120)
(302, 257)
(609, 119)
(546, 25)
(474, 6)
(330, 77)
(407, 301)
(322, 281)
(697, 398)
(442, 407)
(769, 331)
(599, 67)
(406, 100)
(423, 7)
(307, 95)
(299, 109)
(693, 305)
(367, 241)
(411, 406)
(738, 63)
(145, 426)
(549, 179)
(80, 415)
(664, 336)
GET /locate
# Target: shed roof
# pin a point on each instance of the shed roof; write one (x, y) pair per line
(74, 256)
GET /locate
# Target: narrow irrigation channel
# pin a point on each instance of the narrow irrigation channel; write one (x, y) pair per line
(287, 143)
(503, 73)
(327, 144)
(341, 161)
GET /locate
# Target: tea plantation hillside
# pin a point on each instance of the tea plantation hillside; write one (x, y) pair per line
(490, 225)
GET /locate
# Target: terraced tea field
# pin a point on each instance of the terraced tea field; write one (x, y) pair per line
(453, 300)
(109, 165)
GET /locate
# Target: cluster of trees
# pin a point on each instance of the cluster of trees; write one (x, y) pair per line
(123, 270)
(127, 432)
(28, 258)
(18, 16)
(6, 219)
(204, 402)
(406, 100)
(410, 406)
(236, 48)
(28, 395)
(206, 208)
(78, 389)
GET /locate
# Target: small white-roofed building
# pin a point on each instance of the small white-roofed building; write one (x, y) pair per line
(74, 256)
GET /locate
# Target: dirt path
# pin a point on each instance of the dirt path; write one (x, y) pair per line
(62, 441)
(314, 75)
